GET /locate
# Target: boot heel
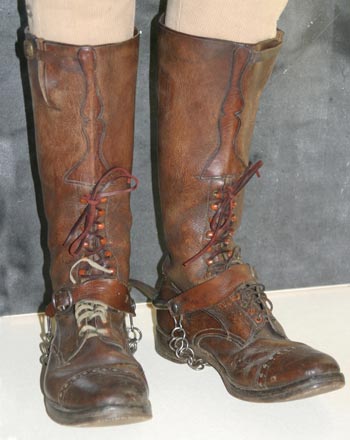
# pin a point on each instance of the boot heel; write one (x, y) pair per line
(163, 349)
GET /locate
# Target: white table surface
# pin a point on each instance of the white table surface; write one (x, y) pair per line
(190, 405)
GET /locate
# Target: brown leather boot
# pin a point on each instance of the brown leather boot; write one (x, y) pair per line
(213, 311)
(83, 99)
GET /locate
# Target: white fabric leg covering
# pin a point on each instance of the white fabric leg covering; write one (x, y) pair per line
(244, 21)
(82, 22)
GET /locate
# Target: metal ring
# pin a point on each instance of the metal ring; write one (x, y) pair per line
(134, 334)
(178, 332)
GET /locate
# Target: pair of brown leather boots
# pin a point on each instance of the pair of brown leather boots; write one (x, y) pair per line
(211, 308)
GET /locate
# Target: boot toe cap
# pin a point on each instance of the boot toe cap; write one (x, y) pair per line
(103, 387)
(300, 369)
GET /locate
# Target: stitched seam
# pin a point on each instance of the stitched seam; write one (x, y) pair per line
(101, 371)
(263, 372)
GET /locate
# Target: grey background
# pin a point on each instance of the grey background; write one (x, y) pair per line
(296, 222)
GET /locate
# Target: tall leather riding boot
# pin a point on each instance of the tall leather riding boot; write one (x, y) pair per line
(83, 100)
(212, 309)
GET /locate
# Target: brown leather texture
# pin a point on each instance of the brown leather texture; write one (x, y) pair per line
(89, 379)
(84, 103)
(208, 98)
(212, 292)
(111, 292)
(84, 114)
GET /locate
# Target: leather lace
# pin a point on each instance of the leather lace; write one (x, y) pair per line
(86, 235)
(254, 299)
(221, 224)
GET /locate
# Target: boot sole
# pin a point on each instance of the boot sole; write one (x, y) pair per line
(105, 416)
(309, 387)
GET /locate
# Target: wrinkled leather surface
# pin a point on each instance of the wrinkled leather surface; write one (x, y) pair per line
(303, 150)
(254, 356)
(194, 80)
(68, 165)
(208, 97)
(86, 374)
(83, 100)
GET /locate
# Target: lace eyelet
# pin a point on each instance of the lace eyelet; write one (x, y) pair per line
(222, 222)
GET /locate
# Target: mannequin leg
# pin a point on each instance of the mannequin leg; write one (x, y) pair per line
(81, 22)
(248, 21)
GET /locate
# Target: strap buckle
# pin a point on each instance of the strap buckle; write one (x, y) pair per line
(62, 300)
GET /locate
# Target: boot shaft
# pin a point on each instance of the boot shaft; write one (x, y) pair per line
(83, 101)
(208, 98)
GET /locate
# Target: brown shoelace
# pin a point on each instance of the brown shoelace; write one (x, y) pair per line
(88, 220)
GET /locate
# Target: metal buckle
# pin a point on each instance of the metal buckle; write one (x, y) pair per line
(62, 308)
